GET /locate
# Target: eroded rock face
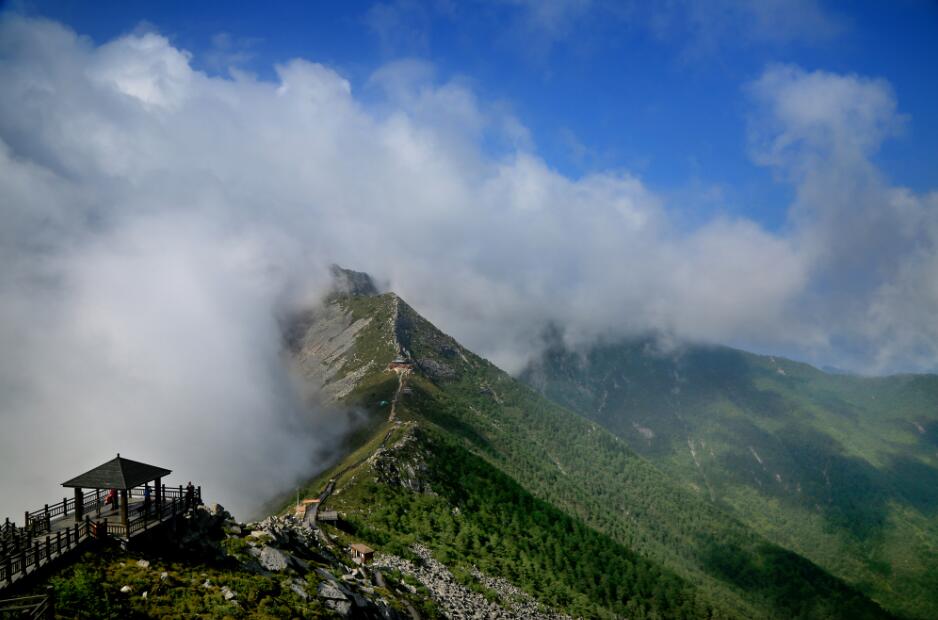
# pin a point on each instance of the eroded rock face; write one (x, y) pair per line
(319, 341)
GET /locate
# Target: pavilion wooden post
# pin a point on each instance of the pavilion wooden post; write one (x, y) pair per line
(79, 504)
(159, 494)
(97, 502)
(124, 517)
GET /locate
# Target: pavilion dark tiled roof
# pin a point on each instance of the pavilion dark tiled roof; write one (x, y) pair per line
(118, 473)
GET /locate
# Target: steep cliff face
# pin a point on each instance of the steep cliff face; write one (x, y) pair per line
(320, 341)
(338, 344)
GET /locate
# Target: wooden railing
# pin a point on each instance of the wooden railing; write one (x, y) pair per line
(156, 514)
(20, 560)
(23, 549)
(39, 521)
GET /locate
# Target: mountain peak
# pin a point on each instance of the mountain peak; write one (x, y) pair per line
(349, 282)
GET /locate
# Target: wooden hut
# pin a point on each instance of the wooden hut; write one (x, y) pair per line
(362, 554)
(400, 363)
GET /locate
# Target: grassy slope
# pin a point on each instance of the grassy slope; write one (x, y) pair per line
(489, 423)
(842, 469)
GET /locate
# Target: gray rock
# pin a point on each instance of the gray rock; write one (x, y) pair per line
(435, 369)
(300, 566)
(271, 559)
(213, 509)
(458, 601)
(299, 587)
(330, 590)
(143, 563)
(324, 574)
(343, 608)
(352, 282)
(126, 589)
(227, 593)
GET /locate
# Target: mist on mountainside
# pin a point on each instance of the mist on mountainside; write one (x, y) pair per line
(158, 220)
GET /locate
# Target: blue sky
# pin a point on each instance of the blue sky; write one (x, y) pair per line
(656, 91)
(759, 173)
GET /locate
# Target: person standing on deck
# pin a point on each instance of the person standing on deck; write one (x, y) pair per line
(190, 496)
(146, 499)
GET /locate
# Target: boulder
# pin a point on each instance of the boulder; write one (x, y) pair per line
(330, 591)
(270, 558)
(343, 608)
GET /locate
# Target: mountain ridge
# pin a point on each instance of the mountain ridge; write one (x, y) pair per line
(459, 397)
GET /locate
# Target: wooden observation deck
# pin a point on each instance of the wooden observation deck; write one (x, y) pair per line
(124, 505)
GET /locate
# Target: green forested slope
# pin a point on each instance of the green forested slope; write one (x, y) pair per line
(841, 469)
(502, 453)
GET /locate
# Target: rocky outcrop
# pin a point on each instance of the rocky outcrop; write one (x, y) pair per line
(402, 464)
(289, 550)
(436, 370)
(458, 601)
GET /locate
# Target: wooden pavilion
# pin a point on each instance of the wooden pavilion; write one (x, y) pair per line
(119, 474)
(67, 525)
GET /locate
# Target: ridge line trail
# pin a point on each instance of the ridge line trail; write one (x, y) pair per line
(397, 395)
(313, 512)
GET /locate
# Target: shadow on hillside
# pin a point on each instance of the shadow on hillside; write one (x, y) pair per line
(814, 473)
(916, 483)
(789, 583)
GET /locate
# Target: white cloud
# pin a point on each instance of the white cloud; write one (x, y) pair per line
(157, 220)
(872, 247)
(145, 67)
(820, 114)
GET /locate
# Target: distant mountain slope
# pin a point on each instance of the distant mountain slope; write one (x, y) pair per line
(486, 472)
(840, 468)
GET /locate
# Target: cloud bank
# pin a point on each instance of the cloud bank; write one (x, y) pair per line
(157, 220)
